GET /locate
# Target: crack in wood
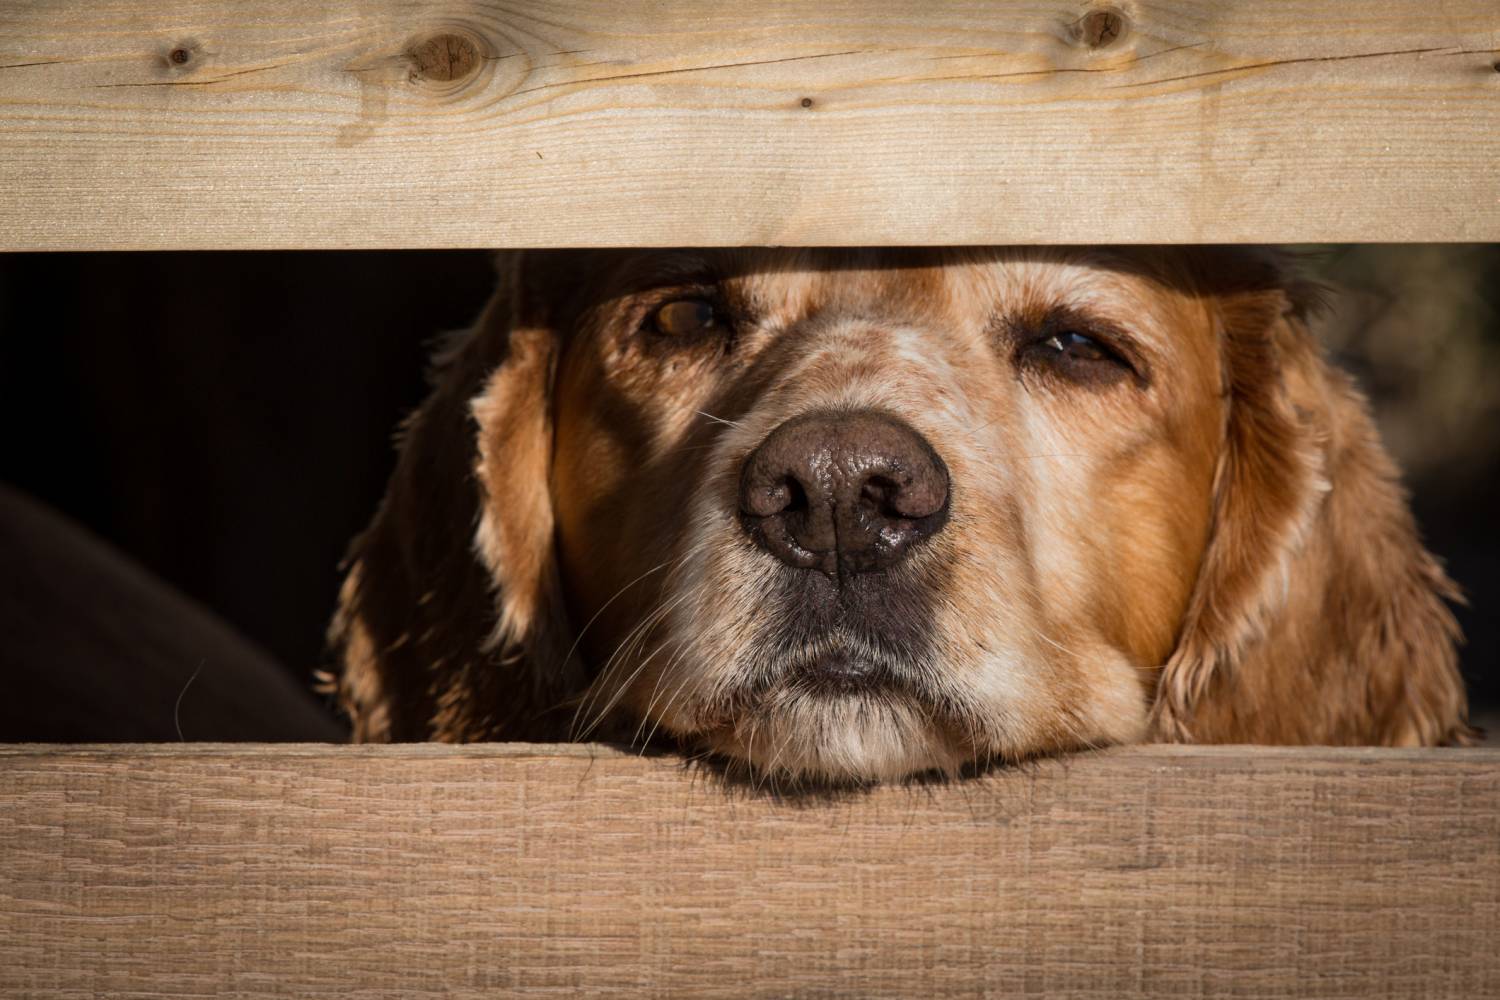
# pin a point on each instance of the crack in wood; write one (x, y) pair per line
(1058, 70)
(686, 69)
(1278, 62)
(192, 83)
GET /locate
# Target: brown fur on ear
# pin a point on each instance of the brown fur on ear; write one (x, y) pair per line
(450, 620)
(1317, 617)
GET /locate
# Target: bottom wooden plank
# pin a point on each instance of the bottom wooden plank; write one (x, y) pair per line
(200, 870)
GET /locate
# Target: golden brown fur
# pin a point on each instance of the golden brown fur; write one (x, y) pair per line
(1206, 542)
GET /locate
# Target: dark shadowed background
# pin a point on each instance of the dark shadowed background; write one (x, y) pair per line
(226, 418)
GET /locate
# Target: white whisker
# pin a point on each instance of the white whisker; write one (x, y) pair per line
(721, 420)
(635, 638)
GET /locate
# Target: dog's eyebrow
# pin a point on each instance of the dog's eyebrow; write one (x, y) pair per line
(670, 267)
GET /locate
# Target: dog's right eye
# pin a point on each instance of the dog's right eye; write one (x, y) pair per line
(685, 318)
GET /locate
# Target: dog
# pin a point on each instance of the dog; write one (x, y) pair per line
(859, 515)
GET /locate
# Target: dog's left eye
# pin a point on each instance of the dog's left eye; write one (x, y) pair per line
(1075, 356)
(685, 318)
(1078, 347)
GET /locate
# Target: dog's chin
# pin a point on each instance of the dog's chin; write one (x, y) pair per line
(835, 735)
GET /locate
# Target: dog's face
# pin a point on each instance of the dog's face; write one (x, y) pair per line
(862, 514)
(857, 514)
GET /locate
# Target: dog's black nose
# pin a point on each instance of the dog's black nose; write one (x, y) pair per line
(843, 492)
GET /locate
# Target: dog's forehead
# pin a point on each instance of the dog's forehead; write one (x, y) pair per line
(958, 279)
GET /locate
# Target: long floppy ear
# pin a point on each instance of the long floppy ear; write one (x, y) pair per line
(1317, 616)
(451, 623)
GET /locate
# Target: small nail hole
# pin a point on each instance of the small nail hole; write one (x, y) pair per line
(179, 57)
(807, 102)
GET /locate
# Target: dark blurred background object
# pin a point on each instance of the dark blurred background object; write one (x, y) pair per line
(96, 649)
(226, 418)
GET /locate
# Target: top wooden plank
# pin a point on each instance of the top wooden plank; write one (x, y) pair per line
(372, 123)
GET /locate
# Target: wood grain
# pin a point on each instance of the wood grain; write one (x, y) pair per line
(199, 870)
(371, 123)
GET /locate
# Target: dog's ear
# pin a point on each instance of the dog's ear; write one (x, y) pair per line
(1317, 616)
(451, 621)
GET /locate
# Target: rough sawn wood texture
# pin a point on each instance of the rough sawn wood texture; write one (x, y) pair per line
(371, 123)
(201, 870)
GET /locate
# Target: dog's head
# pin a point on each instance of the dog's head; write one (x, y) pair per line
(861, 514)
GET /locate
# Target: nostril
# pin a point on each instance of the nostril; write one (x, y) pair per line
(796, 496)
(908, 497)
(879, 494)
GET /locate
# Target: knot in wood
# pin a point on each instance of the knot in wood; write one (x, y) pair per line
(444, 58)
(1101, 28)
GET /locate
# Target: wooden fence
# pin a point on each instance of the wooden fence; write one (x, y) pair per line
(204, 870)
(408, 871)
(371, 123)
